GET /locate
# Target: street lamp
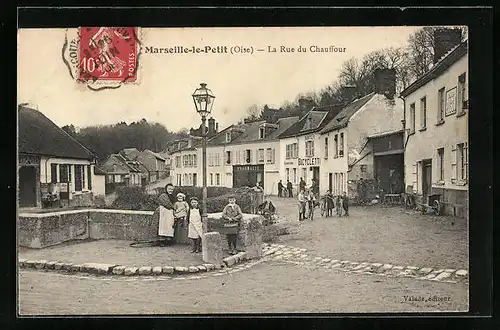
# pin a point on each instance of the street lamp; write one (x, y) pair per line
(203, 101)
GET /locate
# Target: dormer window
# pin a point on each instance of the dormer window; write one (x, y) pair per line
(262, 132)
(228, 137)
(308, 123)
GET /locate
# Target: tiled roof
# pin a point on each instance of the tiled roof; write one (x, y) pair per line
(346, 113)
(442, 65)
(320, 117)
(250, 132)
(155, 154)
(130, 153)
(38, 135)
(133, 165)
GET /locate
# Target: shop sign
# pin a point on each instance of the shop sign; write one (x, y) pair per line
(309, 161)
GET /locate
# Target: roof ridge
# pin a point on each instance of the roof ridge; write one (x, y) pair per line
(58, 128)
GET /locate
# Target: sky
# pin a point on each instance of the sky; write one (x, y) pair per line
(166, 81)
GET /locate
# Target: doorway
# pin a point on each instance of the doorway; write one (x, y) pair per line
(426, 179)
(27, 186)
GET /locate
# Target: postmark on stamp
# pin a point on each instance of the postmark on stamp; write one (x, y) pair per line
(102, 57)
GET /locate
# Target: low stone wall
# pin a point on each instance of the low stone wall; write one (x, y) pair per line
(39, 230)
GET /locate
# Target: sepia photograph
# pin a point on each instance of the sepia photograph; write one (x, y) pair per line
(166, 170)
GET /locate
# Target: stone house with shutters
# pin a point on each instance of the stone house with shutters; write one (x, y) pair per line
(47, 155)
(301, 148)
(240, 155)
(121, 171)
(247, 153)
(436, 127)
(363, 145)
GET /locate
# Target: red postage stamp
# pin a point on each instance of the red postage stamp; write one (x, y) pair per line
(108, 54)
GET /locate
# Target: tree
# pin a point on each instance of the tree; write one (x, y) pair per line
(253, 112)
(421, 49)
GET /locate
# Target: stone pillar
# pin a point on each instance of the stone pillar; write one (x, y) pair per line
(250, 236)
(212, 248)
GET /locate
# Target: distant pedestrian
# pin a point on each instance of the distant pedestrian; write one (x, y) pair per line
(289, 187)
(345, 203)
(280, 189)
(302, 184)
(311, 204)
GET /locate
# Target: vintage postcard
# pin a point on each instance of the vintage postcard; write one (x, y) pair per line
(242, 170)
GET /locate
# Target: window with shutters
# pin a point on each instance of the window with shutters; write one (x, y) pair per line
(441, 106)
(287, 174)
(53, 173)
(211, 179)
(217, 179)
(270, 159)
(294, 175)
(326, 148)
(261, 155)
(461, 163)
(412, 118)
(217, 159)
(423, 113)
(63, 173)
(78, 178)
(440, 156)
(288, 151)
(462, 95)
(195, 160)
(228, 157)
(295, 150)
(415, 177)
(310, 148)
(248, 156)
(89, 175)
(341, 145)
(336, 143)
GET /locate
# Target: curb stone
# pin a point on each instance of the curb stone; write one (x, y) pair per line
(119, 270)
(129, 271)
(168, 270)
(157, 270)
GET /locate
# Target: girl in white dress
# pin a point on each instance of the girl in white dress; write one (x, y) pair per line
(195, 228)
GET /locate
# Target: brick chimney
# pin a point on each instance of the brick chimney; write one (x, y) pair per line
(211, 126)
(385, 82)
(216, 127)
(349, 93)
(444, 40)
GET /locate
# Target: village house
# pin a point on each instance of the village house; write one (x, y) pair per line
(154, 164)
(121, 171)
(185, 156)
(50, 157)
(300, 147)
(363, 145)
(436, 122)
(246, 154)
(131, 156)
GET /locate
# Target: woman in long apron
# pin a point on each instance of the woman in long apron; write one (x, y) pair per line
(166, 228)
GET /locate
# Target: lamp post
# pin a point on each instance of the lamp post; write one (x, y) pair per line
(203, 101)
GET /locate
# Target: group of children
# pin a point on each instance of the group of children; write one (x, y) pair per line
(190, 215)
(339, 203)
(307, 203)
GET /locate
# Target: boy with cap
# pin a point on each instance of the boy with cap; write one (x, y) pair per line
(232, 216)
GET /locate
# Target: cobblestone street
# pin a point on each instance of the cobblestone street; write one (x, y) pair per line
(381, 234)
(376, 260)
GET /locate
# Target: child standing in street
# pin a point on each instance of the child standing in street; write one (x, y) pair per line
(195, 227)
(181, 208)
(232, 216)
(302, 205)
